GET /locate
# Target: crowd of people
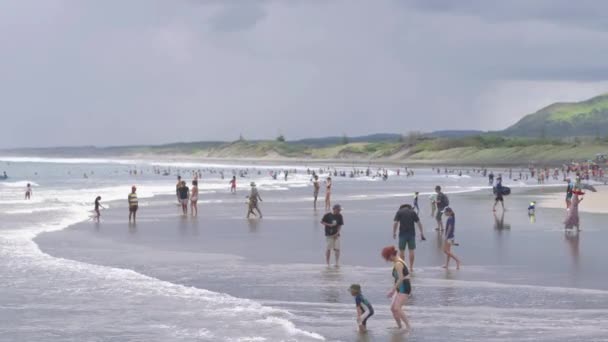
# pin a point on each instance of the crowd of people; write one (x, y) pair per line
(406, 222)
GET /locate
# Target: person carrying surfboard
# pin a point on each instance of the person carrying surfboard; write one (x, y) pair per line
(498, 189)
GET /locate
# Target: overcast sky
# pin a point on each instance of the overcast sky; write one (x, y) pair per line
(78, 72)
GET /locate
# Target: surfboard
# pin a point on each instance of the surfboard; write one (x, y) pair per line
(506, 191)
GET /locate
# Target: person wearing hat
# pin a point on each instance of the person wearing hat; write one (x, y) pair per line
(133, 204)
(254, 197)
(333, 223)
(449, 238)
(364, 308)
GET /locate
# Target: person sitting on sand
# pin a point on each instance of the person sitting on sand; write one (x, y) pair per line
(449, 238)
(401, 289)
(364, 308)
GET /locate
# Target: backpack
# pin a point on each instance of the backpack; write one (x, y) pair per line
(442, 200)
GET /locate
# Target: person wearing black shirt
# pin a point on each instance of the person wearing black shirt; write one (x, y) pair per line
(333, 223)
(184, 194)
(406, 221)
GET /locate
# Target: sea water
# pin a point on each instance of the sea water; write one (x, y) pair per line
(210, 280)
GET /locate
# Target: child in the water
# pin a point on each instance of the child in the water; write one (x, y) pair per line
(364, 308)
(532, 208)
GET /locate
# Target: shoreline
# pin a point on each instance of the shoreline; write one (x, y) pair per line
(593, 203)
(273, 160)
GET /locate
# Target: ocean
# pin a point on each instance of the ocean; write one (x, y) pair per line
(221, 277)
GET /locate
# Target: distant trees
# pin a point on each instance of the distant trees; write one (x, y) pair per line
(345, 140)
(281, 138)
(413, 138)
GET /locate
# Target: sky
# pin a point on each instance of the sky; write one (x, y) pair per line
(114, 72)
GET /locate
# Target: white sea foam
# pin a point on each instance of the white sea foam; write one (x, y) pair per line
(18, 184)
(18, 244)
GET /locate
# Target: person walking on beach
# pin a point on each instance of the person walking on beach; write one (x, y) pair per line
(133, 204)
(28, 191)
(442, 202)
(405, 220)
(233, 185)
(317, 186)
(328, 194)
(433, 199)
(184, 193)
(569, 190)
(97, 206)
(333, 223)
(401, 289)
(194, 198)
(449, 240)
(177, 186)
(364, 308)
(499, 194)
(572, 218)
(254, 197)
(416, 207)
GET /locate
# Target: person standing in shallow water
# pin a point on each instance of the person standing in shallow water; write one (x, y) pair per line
(316, 187)
(184, 194)
(442, 202)
(28, 191)
(406, 219)
(233, 185)
(194, 198)
(402, 287)
(97, 206)
(499, 195)
(254, 197)
(133, 204)
(449, 238)
(572, 218)
(333, 223)
(328, 194)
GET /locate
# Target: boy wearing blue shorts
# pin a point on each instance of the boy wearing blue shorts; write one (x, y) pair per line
(406, 220)
(364, 308)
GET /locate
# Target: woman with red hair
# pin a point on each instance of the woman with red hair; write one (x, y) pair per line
(401, 288)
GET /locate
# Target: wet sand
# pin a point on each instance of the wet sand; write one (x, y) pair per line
(523, 278)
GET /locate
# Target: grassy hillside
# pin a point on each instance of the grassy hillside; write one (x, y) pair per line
(587, 118)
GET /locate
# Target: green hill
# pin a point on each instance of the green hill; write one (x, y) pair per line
(587, 118)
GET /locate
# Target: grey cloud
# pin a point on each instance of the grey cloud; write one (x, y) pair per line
(581, 13)
(111, 72)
